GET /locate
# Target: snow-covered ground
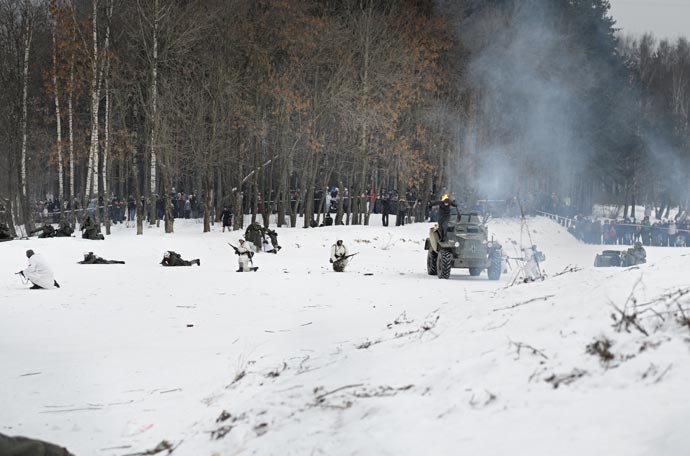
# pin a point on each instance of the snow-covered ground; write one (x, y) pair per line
(382, 359)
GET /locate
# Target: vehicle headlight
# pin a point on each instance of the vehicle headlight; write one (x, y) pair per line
(457, 244)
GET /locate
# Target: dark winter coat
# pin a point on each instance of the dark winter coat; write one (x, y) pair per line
(90, 258)
(91, 230)
(386, 206)
(175, 260)
(254, 234)
(226, 217)
(65, 230)
(443, 210)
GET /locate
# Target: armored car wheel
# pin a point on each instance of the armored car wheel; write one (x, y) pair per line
(444, 263)
(431, 258)
(474, 272)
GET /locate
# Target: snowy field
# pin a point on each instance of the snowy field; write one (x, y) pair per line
(382, 359)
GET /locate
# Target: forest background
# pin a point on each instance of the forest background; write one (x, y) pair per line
(256, 104)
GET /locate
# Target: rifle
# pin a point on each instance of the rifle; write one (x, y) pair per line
(345, 257)
(249, 253)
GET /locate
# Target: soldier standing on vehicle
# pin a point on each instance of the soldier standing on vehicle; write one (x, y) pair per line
(444, 206)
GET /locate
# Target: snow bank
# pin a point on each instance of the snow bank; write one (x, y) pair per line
(381, 359)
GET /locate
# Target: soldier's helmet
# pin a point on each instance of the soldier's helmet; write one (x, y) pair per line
(638, 244)
(166, 255)
(339, 242)
(444, 197)
(241, 241)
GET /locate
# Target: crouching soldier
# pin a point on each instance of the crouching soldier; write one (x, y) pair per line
(90, 258)
(65, 230)
(339, 256)
(273, 247)
(45, 231)
(171, 258)
(91, 230)
(244, 257)
(38, 272)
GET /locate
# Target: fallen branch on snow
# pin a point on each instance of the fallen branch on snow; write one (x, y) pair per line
(541, 298)
(565, 379)
(568, 269)
(237, 378)
(163, 446)
(365, 392)
(628, 314)
(400, 320)
(519, 346)
(320, 398)
(367, 343)
(382, 391)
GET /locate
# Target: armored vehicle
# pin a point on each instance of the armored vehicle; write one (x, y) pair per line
(608, 258)
(631, 257)
(466, 246)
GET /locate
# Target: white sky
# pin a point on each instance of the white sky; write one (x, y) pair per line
(664, 18)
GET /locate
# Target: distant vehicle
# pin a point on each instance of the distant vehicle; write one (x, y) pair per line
(608, 258)
(631, 257)
(467, 246)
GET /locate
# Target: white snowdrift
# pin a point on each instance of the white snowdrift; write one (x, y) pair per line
(382, 359)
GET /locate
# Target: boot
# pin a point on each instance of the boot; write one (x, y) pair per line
(55, 284)
(198, 262)
(239, 270)
(35, 287)
(255, 268)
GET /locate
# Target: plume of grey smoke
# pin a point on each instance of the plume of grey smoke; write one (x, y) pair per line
(530, 118)
(534, 109)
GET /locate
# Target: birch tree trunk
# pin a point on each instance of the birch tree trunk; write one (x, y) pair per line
(106, 126)
(70, 116)
(365, 102)
(154, 107)
(58, 123)
(92, 167)
(28, 31)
